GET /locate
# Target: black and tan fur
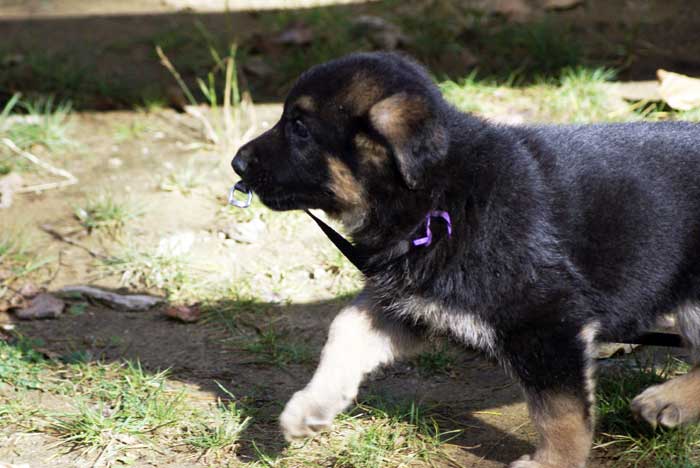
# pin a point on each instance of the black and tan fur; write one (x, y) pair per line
(562, 236)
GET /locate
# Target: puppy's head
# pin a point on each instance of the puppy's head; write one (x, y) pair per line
(352, 130)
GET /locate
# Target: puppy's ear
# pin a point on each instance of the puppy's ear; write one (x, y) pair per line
(417, 137)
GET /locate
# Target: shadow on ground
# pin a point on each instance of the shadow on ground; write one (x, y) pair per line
(475, 396)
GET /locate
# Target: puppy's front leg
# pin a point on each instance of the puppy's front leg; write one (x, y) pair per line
(360, 340)
(555, 366)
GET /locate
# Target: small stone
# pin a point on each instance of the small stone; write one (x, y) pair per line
(561, 4)
(258, 66)
(9, 184)
(245, 233)
(380, 32)
(115, 163)
(515, 10)
(42, 306)
(29, 290)
(297, 34)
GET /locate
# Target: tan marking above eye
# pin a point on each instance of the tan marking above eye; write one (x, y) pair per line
(343, 183)
(306, 103)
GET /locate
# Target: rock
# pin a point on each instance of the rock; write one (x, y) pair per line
(130, 302)
(516, 10)
(257, 66)
(245, 233)
(29, 290)
(115, 163)
(561, 4)
(380, 32)
(187, 314)
(42, 306)
(177, 244)
(296, 34)
(681, 92)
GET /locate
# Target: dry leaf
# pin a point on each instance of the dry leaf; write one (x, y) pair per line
(187, 314)
(681, 92)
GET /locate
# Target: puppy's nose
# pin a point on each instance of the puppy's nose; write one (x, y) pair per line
(240, 161)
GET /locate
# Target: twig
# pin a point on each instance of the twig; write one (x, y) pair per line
(228, 121)
(57, 235)
(70, 178)
(195, 112)
(168, 64)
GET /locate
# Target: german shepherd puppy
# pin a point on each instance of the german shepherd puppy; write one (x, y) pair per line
(561, 236)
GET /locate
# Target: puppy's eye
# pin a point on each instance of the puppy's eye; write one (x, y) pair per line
(300, 129)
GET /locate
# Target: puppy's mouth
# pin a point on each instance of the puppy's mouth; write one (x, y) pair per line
(280, 200)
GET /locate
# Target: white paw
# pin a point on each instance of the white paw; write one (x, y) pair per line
(525, 461)
(304, 416)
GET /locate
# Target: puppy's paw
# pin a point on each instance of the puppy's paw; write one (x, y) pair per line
(305, 416)
(526, 461)
(665, 405)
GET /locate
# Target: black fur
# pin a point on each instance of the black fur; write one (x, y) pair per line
(554, 226)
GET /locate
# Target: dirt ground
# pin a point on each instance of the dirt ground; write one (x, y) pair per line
(290, 269)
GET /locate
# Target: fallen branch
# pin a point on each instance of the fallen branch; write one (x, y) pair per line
(70, 178)
(47, 228)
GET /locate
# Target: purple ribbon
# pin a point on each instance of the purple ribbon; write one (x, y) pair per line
(428, 239)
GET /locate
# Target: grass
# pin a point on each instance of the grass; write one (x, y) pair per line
(134, 129)
(112, 408)
(277, 348)
(230, 120)
(106, 213)
(532, 50)
(630, 443)
(576, 95)
(30, 124)
(382, 436)
(41, 121)
(151, 269)
(222, 429)
(184, 180)
(18, 259)
(435, 361)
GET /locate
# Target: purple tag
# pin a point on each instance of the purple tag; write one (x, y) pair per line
(428, 239)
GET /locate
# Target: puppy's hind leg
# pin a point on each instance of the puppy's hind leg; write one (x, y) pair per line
(360, 339)
(677, 401)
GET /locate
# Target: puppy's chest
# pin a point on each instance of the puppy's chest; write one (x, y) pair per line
(463, 325)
